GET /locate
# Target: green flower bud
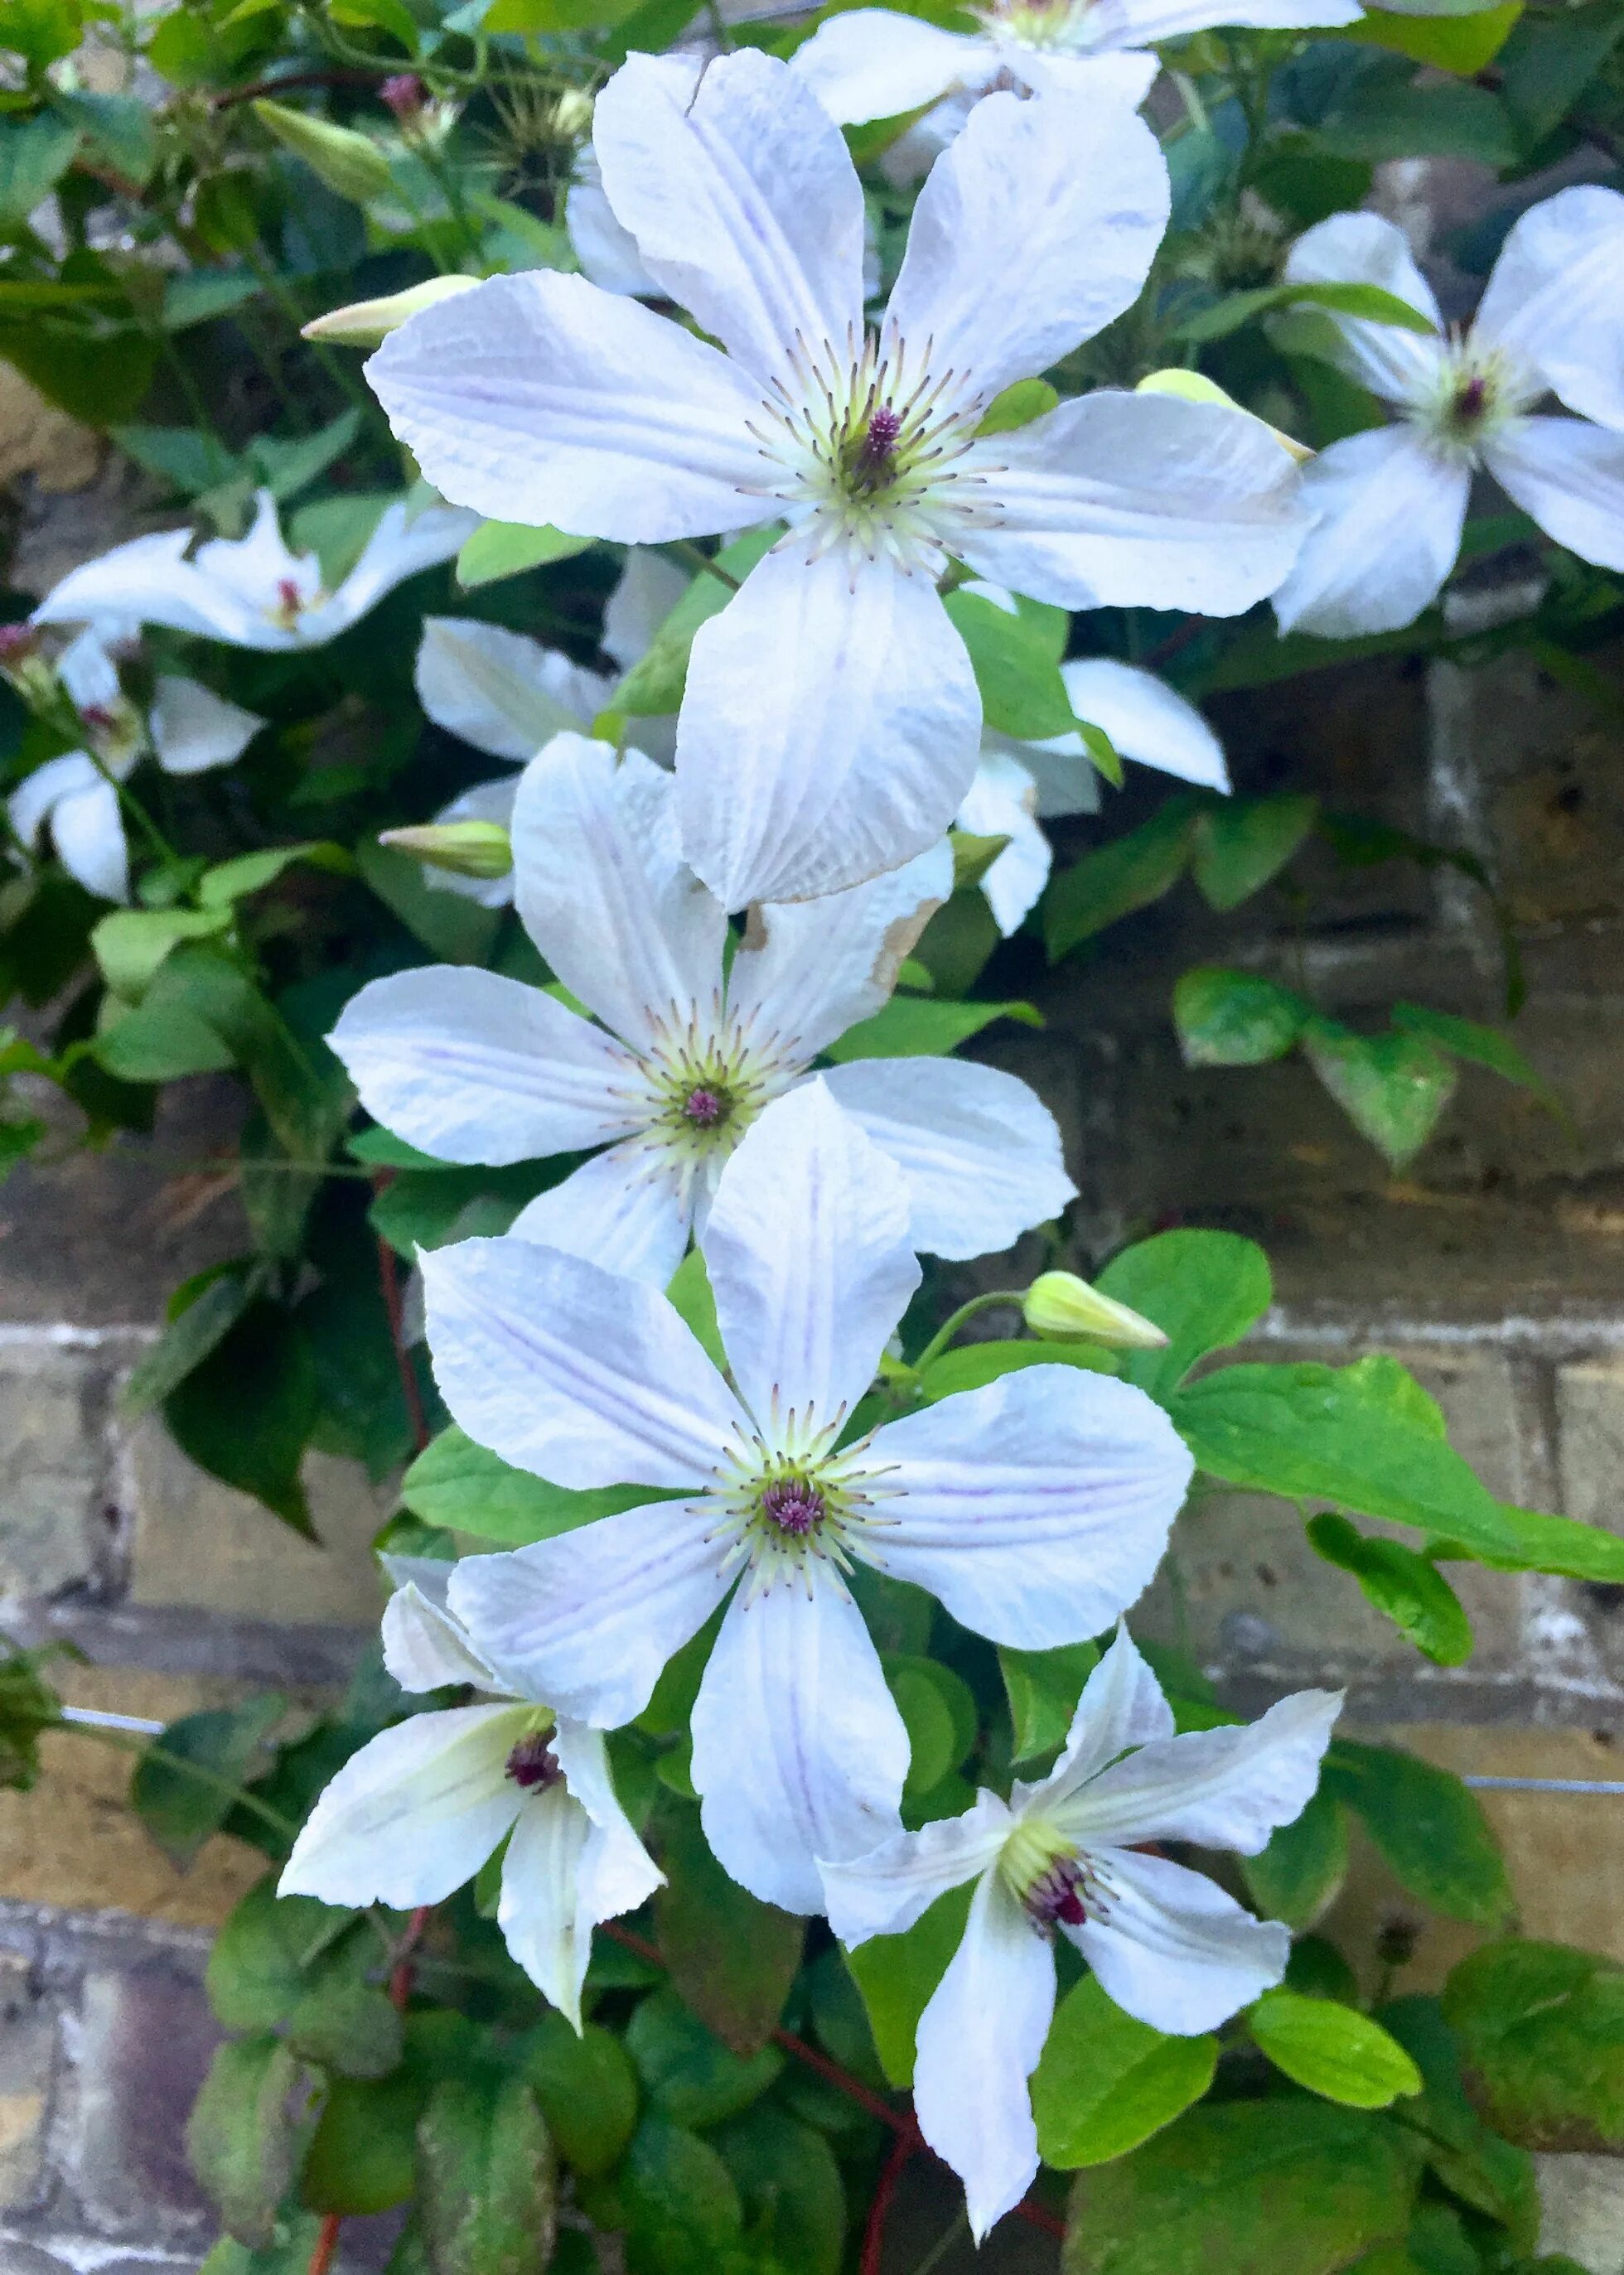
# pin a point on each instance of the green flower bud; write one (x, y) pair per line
(368, 323)
(1065, 1309)
(471, 849)
(348, 162)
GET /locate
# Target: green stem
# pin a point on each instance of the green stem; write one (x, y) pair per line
(282, 1827)
(337, 370)
(687, 550)
(944, 1336)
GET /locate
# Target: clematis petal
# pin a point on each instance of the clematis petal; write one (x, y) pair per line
(1121, 1706)
(627, 1211)
(87, 667)
(541, 398)
(810, 1262)
(1000, 802)
(648, 589)
(622, 1873)
(499, 690)
(1554, 302)
(1038, 1507)
(608, 254)
(260, 567)
(424, 1647)
(87, 830)
(32, 803)
(471, 1067)
(414, 1814)
(588, 1619)
(193, 729)
(570, 1373)
(1364, 248)
(150, 579)
(1016, 253)
(1146, 720)
(490, 801)
(742, 197)
(798, 1749)
(871, 63)
(806, 970)
(885, 1890)
(1129, 501)
(602, 890)
(1568, 475)
(538, 1909)
(980, 1151)
(1226, 1788)
(405, 543)
(850, 756)
(1387, 517)
(1174, 1950)
(1104, 76)
(1147, 22)
(979, 2042)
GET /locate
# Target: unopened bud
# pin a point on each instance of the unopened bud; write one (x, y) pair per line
(404, 94)
(368, 323)
(1065, 1309)
(350, 166)
(1195, 387)
(470, 849)
(572, 118)
(24, 664)
(972, 858)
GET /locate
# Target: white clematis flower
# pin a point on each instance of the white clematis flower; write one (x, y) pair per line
(507, 694)
(872, 63)
(252, 592)
(1035, 1508)
(420, 1807)
(1390, 503)
(1018, 784)
(188, 729)
(831, 720)
(1166, 1944)
(474, 1067)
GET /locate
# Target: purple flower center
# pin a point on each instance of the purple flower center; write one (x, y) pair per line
(875, 451)
(1054, 1895)
(533, 1765)
(18, 642)
(795, 1506)
(288, 594)
(706, 1106)
(1471, 400)
(402, 92)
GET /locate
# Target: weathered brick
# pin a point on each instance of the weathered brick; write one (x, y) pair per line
(145, 2039)
(27, 2058)
(197, 1543)
(1589, 1404)
(1582, 2200)
(56, 1531)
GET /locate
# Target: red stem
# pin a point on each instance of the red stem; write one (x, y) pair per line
(402, 1972)
(885, 2192)
(334, 78)
(327, 2243)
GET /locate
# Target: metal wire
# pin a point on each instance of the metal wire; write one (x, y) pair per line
(95, 1719)
(1545, 1785)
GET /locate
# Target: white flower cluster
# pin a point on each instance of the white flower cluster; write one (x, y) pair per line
(829, 734)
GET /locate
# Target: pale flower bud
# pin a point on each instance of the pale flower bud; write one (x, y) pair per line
(368, 323)
(1065, 1309)
(471, 848)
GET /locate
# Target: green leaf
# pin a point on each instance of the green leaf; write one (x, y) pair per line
(361, 2159)
(259, 1963)
(1022, 691)
(1017, 405)
(487, 2180)
(288, 467)
(923, 1027)
(1290, 2185)
(35, 154)
(1410, 1590)
(1473, 2163)
(732, 1957)
(687, 2074)
(1462, 44)
(184, 1343)
(1204, 1290)
(587, 2089)
(120, 130)
(1347, 300)
(1043, 1688)
(180, 1811)
(938, 1712)
(186, 458)
(1430, 1830)
(1392, 1088)
(1105, 2083)
(42, 31)
(690, 1296)
(682, 2208)
(1117, 878)
(230, 882)
(243, 2134)
(1550, 59)
(345, 2024)
(165, 1036)
(1313, 1433)
(1536, 1543)
(896, 1975)
(201, 296)
(654, 683)
(794, 2199)
(391, 15)
(1487, 1047)
(465, 1488)
(972, 1365)
(507, 548)
(1243, 843)
(132, 943)
(246, 1413)
(1304, 1864)
(348, 163)
(1450, 120)
(1541, 2029)
(28, 1706)
(99, 378)
(1235, 1018)
(455, 929)
(1333, 2050)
